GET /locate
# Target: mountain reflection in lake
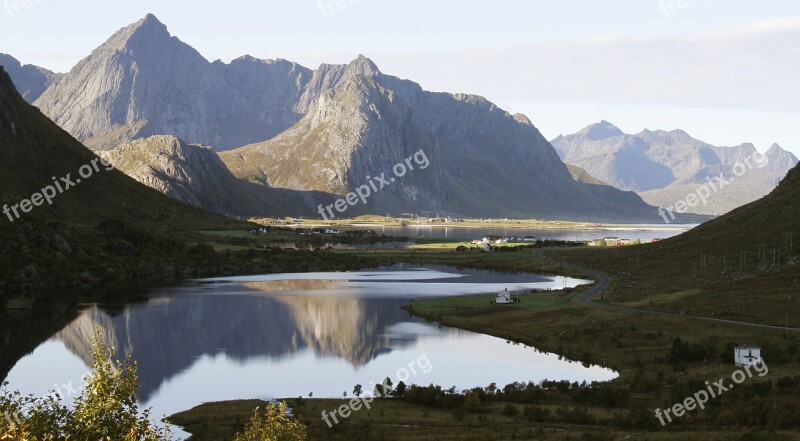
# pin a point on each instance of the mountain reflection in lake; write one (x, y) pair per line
(294, 334)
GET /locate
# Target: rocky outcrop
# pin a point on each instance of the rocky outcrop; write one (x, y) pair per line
(195, 174)
(190, 173)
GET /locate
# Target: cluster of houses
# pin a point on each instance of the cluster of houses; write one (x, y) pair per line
(614, 242)
(318, 231)
(489, 242)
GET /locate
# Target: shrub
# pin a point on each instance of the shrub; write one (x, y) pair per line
(273, 424)
(107, 408)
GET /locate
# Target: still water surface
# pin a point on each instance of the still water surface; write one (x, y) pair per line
(288, 335)
(645, 233)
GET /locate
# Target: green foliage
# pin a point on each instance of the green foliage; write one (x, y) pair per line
(400, 390)
(509, 410)
(472, 403)
(272, 424)
(685, 352)
(106, 409)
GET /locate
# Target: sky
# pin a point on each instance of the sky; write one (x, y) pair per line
(726, 71)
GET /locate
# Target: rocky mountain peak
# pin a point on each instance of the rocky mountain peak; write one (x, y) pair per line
(522, 119)
(363, 66)
(600, 131)
(780, 159)
(147, 30)
(776, 149)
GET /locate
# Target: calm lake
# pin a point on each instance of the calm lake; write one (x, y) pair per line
(286, 335)
(645, 233)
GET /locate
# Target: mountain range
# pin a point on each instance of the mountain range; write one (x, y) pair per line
(664, 167)
(31, 81)
(326, 131)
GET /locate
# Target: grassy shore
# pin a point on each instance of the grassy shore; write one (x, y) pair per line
(638, 345)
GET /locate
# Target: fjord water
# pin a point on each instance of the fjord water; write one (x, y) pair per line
(645, 233)
(289, 335)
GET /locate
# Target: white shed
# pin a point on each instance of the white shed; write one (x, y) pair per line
(504, 298)
(747, 356)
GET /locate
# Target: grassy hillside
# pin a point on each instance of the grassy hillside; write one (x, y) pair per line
(744, 265)
(103, 220)
(33, 150)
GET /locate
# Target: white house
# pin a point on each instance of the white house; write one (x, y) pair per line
(488, 248)
(331, 231)
(504, 298)
(747, 356)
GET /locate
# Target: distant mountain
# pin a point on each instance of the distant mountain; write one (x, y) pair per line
(194, 174)
(31, 81)
(480, 160)
(665, 167)
(144, 82)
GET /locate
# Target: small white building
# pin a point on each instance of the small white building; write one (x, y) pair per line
(504, 298)
(747, 356)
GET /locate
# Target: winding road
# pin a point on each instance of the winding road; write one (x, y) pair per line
(603, 280)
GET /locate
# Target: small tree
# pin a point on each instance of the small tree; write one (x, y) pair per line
(107, 408)
(273, 424)
(472, 403)
(400, 390)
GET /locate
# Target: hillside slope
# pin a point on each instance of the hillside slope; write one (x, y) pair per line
(195, 175)
(742, 266)
(102, 219)
(34, 150)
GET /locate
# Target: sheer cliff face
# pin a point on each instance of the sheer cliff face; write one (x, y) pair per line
(144, 82)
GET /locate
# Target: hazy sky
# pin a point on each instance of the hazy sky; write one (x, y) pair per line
(726, 71)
